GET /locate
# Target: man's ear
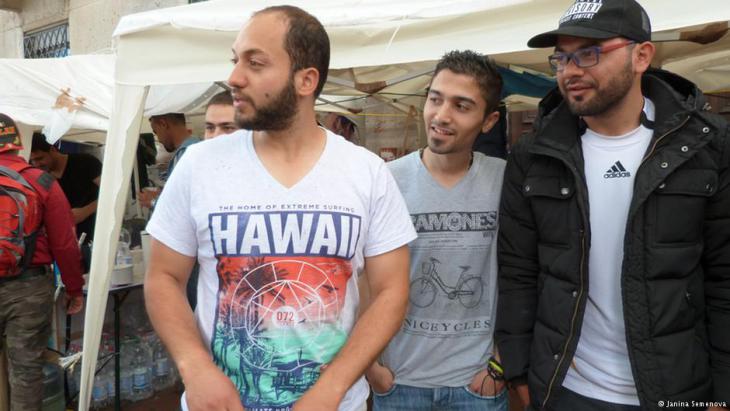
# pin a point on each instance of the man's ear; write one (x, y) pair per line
(306, 81)
(489, 121)
(643, 55)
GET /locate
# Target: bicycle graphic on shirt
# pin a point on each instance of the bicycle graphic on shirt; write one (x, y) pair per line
(423, 290)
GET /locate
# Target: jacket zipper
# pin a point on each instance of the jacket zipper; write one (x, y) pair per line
(653, 147)
(648, 155)
(572, 320)
(577, 178)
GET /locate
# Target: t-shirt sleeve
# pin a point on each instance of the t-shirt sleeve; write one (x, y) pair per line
(89, 165)
(390, 223)
(172, 222)
(95, 167)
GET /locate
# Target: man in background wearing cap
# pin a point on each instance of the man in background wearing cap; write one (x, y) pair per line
(26, 298)
(615, 230)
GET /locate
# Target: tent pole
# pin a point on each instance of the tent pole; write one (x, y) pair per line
(138, 187)
(119, 154)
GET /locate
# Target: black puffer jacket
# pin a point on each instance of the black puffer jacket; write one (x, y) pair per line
(676, 267)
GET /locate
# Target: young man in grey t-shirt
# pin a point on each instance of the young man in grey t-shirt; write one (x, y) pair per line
(440, 356)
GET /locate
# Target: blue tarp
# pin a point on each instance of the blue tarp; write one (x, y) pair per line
(525, 84)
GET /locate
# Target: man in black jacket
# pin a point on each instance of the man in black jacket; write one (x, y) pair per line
(615, 230)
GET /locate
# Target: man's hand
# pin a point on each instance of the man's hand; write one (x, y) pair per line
(484, 385)
(381, 378)
(208, 389)
(318, 398)
(74, 304)
(146, 196)
(82, 213)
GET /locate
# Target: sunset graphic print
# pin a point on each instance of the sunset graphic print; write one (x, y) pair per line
(283, 280)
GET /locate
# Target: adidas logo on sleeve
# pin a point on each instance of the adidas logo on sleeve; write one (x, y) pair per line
(617, 171)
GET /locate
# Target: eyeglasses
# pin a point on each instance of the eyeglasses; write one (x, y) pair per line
(583, 58)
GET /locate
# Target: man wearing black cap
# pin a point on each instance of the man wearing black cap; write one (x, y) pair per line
(615, 230)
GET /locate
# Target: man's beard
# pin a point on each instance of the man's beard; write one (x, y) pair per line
(278, 114)
(605, 98)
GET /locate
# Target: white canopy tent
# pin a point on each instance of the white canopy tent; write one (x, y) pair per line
(376, 45)
(31, 87)
(75, 94)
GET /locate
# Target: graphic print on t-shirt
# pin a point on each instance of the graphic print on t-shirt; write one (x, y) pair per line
(282, 285)
(450, 255)
(617, 170)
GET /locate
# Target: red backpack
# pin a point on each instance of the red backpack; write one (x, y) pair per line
(20, 219)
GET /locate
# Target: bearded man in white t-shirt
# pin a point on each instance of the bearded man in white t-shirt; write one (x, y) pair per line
(283, 216)
(614, 247)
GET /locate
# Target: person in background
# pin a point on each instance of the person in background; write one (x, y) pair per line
(172, 131)
(78, 174)
(26, 286)
(614, 290)
(220, 115)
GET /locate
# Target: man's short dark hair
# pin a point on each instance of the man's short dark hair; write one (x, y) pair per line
(479, 66)
(175, 118)
(40, 143)
(306, 42)
(223, 98)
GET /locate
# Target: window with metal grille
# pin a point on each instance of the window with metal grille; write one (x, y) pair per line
(47, 43)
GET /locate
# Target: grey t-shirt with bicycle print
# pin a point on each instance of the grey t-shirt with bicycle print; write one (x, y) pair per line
(446, 337)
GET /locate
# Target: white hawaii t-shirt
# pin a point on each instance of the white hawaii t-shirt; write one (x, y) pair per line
(277, 295)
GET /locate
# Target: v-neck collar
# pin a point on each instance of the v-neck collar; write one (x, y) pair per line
(422, 170)
(273, 182)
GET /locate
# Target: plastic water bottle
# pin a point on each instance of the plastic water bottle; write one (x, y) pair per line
(99, 392)
(174, 374)
(142, 377)
(161, 378)
(126, 383)
(124, 255)
(126, 377)
(148, 340)
(111, 389)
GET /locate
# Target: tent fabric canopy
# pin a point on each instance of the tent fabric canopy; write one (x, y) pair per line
(30, 88)
(381, 32)
(389, 41)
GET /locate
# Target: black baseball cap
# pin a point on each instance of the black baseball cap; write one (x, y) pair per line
(599, 19)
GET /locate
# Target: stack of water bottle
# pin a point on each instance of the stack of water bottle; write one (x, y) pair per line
(145, 369)
(102, 393)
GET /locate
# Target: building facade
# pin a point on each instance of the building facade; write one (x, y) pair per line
(54, 28)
